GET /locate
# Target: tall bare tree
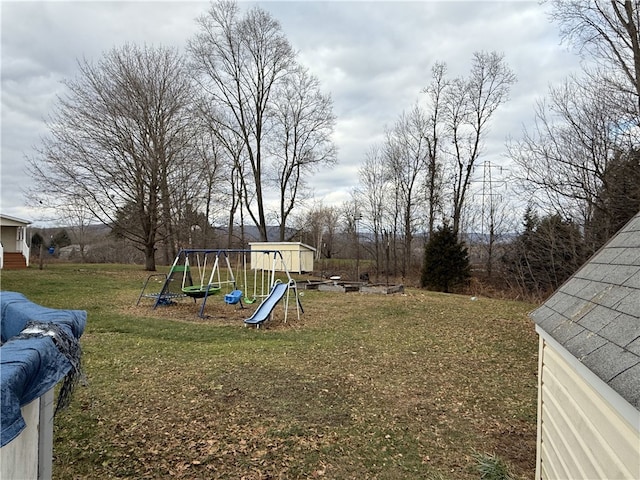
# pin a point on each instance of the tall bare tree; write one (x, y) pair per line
(370, 202)
(607, 31)
(301, 139)
(581, 152)
(321, 223)
(240, 60)
(435, 93)
(117, 141)
(470, 104)
(568, 147)
(229, 150)
(213, 176)
(407, 150)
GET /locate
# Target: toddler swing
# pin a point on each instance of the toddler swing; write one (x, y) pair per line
(235, 296)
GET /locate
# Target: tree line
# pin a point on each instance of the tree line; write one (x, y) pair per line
(578, 166)
(157, 144)
(161, 146)
(580, 162)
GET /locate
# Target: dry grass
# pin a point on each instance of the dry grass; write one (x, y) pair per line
(363, 386)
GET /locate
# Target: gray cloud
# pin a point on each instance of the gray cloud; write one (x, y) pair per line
(374, 58)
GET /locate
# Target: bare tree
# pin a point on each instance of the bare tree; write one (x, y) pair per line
(407, 151)
(117, 141)
(351, 219)
(565, 159)
(321, 223)
(240, 61)
(332, 224)
(470, 104)
(315, 227)
(301, 141)
(79, 220)
(582, 150)
(213, 177)
(435, 92)
(609, 33)
(371, 202)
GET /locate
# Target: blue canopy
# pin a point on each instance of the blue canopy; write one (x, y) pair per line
(31, 362)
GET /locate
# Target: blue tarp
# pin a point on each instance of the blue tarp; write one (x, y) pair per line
(17, 310)
(30, 366)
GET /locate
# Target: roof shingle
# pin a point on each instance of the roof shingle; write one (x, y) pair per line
(595, 315)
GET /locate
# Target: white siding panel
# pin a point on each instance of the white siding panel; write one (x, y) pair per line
(265, 261)
(297, 257)
(599, 427)
(553, 466)
(554, 452)
(567, 442)
(582, 436)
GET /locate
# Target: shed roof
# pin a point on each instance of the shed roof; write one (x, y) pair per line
(300, 245)
(595, 315)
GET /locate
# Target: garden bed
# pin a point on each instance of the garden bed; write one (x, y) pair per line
(382, 289)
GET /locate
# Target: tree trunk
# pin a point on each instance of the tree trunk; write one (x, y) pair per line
(150, 258)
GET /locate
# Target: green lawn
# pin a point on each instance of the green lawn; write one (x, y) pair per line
(362, 386)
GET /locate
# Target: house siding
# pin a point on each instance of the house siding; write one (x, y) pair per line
(581, 433)
(9, 239)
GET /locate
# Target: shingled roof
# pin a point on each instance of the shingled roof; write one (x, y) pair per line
(595, 315)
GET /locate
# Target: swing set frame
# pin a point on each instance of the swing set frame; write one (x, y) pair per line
(203, 285)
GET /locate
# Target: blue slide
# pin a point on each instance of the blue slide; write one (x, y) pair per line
(265, 308)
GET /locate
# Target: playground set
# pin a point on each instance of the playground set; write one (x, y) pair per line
(202, 273)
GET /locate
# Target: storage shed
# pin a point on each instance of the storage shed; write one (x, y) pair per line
(297, 256)
(589, 367)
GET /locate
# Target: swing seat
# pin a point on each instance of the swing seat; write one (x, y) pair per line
(249, 301)
(196, 291)
(233, 297)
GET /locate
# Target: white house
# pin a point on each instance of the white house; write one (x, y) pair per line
(14, 251)
(589, 367)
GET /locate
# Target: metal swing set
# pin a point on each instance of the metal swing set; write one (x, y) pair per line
(196, 273)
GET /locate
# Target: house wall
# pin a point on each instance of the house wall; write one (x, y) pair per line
(585, 429)
(9, 236)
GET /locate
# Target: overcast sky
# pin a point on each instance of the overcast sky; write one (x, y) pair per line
(374, 58)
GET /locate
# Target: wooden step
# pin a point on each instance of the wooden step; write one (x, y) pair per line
(13, 261)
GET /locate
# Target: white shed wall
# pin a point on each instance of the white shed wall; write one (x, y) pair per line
(297, 257)
(581, 434)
